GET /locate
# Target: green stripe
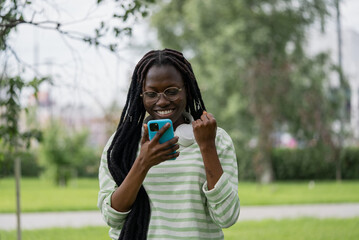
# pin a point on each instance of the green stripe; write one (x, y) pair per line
(106, 171)
(215, 196)
(167, 236)
(224, 164)
(186, 229)
(185, 220)
(182, 210)
(227, 156)
(176, 174)
(182, 183)
(177, 192)
(199, 164)
(192, 154)
(231, 205)
(176, 201)
(225, 211)
(105, 182)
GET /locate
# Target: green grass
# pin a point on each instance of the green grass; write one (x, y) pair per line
(87, 233)
(38, 195)
(298, 193)
(298, 229)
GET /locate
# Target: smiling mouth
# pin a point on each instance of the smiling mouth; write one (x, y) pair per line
(164, 112)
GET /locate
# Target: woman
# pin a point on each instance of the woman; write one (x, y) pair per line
(145, 195)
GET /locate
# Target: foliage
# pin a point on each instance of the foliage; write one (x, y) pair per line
(251, 65)
(66, 154)
(304, 164)
(350, 163)
(29, 162)
(10, 109)
(14, 13)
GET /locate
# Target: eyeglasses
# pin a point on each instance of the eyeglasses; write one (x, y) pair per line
(171, 94)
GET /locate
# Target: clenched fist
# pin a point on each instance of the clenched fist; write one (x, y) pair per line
(204, 130)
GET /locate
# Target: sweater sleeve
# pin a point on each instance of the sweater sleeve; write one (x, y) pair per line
(222, 201)
(113, 218)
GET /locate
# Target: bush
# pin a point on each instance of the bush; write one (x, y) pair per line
(298, 164)
(302, 164)
(66, 154)
(350, 163)
(30, 166)
(245, 165)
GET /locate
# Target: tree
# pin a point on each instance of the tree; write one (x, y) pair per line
(63, 152)
(12, 137)
(249, 58)
(14, 13)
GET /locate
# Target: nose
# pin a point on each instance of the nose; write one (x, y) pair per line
(162, 101)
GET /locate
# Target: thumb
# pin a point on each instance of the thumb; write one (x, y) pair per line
(145, 137)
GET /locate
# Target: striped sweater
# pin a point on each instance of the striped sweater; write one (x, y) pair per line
(181, 205)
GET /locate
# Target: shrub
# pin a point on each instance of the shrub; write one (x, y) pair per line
(30, 166)
(309, 163)
(302, 164)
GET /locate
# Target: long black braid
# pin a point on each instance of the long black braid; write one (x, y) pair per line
(123, 149)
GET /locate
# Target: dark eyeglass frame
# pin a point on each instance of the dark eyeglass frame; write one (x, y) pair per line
(144, 95)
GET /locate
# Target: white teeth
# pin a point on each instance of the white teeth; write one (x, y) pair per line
(164, 112)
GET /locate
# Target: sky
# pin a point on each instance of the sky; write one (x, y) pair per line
(83, 75)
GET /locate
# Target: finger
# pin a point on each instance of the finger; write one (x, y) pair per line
(171, 150)
(198, 122)
(204, 117)
(170, 142)
(145, 137)
(161, 132)
(210, 116)
(171, 156)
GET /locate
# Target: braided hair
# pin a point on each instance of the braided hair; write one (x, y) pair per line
(123, 149)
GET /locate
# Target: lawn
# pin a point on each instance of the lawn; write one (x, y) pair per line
(298, 193)
(297, 229)
(38, 195)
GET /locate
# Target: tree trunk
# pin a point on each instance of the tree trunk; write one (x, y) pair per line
(262, 161)
(18, 209)
(338, 164)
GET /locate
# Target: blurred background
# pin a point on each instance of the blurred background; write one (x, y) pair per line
(280, 76)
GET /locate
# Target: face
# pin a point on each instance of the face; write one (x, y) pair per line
(158, 79)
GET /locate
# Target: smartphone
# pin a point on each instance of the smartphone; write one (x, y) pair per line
(155, 125)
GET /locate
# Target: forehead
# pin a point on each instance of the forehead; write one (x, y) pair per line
(162, 77)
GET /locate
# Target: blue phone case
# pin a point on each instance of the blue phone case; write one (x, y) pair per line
(168, 135)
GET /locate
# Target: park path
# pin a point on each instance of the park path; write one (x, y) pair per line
(93, 218)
